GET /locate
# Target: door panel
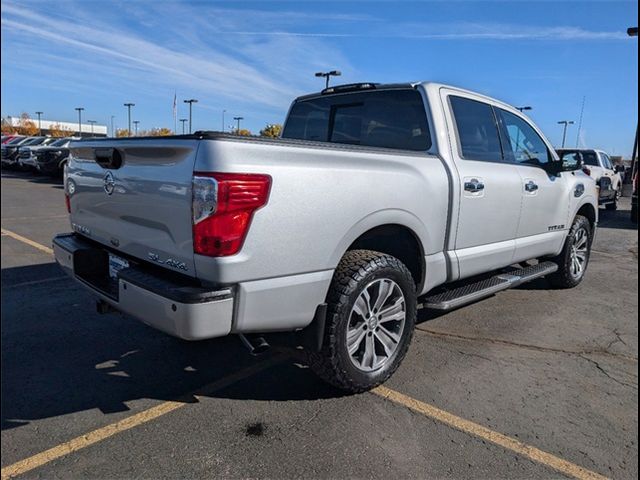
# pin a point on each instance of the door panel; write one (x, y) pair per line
(545, 197)
(490, 189)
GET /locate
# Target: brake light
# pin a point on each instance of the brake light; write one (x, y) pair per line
(67, 201)
(223, 206)
(586, 170)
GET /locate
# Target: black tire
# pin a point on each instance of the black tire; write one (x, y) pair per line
(612, 206)
(357, 271)
(565, 277)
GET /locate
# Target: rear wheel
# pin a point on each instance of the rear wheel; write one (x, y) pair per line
(574, 258)
(370, 320)
(613, 205)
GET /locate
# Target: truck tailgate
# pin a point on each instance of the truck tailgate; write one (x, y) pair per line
(134, 196)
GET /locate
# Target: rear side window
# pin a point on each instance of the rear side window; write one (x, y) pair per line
(384, 118)
(477, 130)
(527, 147)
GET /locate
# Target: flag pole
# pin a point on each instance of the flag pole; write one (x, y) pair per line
(175, 116)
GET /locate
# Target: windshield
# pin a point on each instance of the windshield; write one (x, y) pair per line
(14, 141)
(61, 142)
(384, 118)
(34, 141)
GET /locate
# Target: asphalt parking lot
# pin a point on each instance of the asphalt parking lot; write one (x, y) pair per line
(532, 383)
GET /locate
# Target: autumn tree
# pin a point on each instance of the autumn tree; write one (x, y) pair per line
(159, 132)
(27, 126)
(272, 130)
(8, 129)
(122, 132)
(242, 132)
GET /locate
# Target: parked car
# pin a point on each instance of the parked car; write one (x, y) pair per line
(24, 157)
(27, 155)
(8, 138)
(375, 195)
(51, 160)
(10, 150)
(598, 165)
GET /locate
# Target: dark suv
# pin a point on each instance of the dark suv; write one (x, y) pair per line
(51, 160)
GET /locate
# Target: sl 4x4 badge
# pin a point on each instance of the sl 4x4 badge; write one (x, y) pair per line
(169, 262)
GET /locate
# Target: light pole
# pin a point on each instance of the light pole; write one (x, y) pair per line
(522, 109)
(39, 123)
(633, 32)
(191, 101)
(92, 123)
(113, 132)
(136, 123)
(237, 119)
(326, 75)
(129, 105)
(79, 110)
(223, 112)
(183, 121)
(566, 123)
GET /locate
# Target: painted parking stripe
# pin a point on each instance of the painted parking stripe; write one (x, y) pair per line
(532, 453)
(128, 423)
(29, 242)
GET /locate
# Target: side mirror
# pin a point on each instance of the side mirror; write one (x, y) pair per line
(569, 162)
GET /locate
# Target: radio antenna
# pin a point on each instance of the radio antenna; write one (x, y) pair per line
(584, 98)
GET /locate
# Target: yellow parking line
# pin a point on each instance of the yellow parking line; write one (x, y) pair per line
(31, 243)
(128, 423)
(532, 453)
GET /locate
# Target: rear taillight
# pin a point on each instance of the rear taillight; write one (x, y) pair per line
(586, 170)
(67, 201)
(223, 205)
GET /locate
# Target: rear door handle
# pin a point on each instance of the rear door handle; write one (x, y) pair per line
(473, 185)
(531, 186)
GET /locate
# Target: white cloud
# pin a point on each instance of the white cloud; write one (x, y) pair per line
(191, 54)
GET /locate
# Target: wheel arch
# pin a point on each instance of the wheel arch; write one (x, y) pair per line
(588, 210)
(400, 236)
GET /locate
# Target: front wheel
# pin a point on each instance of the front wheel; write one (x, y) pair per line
(370, 320)
(574, 258)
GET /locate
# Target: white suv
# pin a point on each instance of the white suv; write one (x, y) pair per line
(598, 165)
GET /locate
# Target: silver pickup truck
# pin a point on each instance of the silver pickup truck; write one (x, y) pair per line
(377, 197)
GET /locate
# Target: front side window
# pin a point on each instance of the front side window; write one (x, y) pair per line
(527, 147)
(383, 118)
(606, 162)
(477, 130)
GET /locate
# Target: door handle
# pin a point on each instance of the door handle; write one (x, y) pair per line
(474, 185)
(531, 187)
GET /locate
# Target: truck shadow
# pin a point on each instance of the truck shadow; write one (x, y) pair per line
(33, 177)
(60, 357)
(618, 219)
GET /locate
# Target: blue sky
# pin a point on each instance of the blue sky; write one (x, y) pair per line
(253, 58)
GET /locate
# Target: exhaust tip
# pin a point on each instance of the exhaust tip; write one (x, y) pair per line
(255, 345)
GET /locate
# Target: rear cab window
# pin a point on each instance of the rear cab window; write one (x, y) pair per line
(394, 118)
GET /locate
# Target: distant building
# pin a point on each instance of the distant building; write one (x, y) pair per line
(88, 130)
